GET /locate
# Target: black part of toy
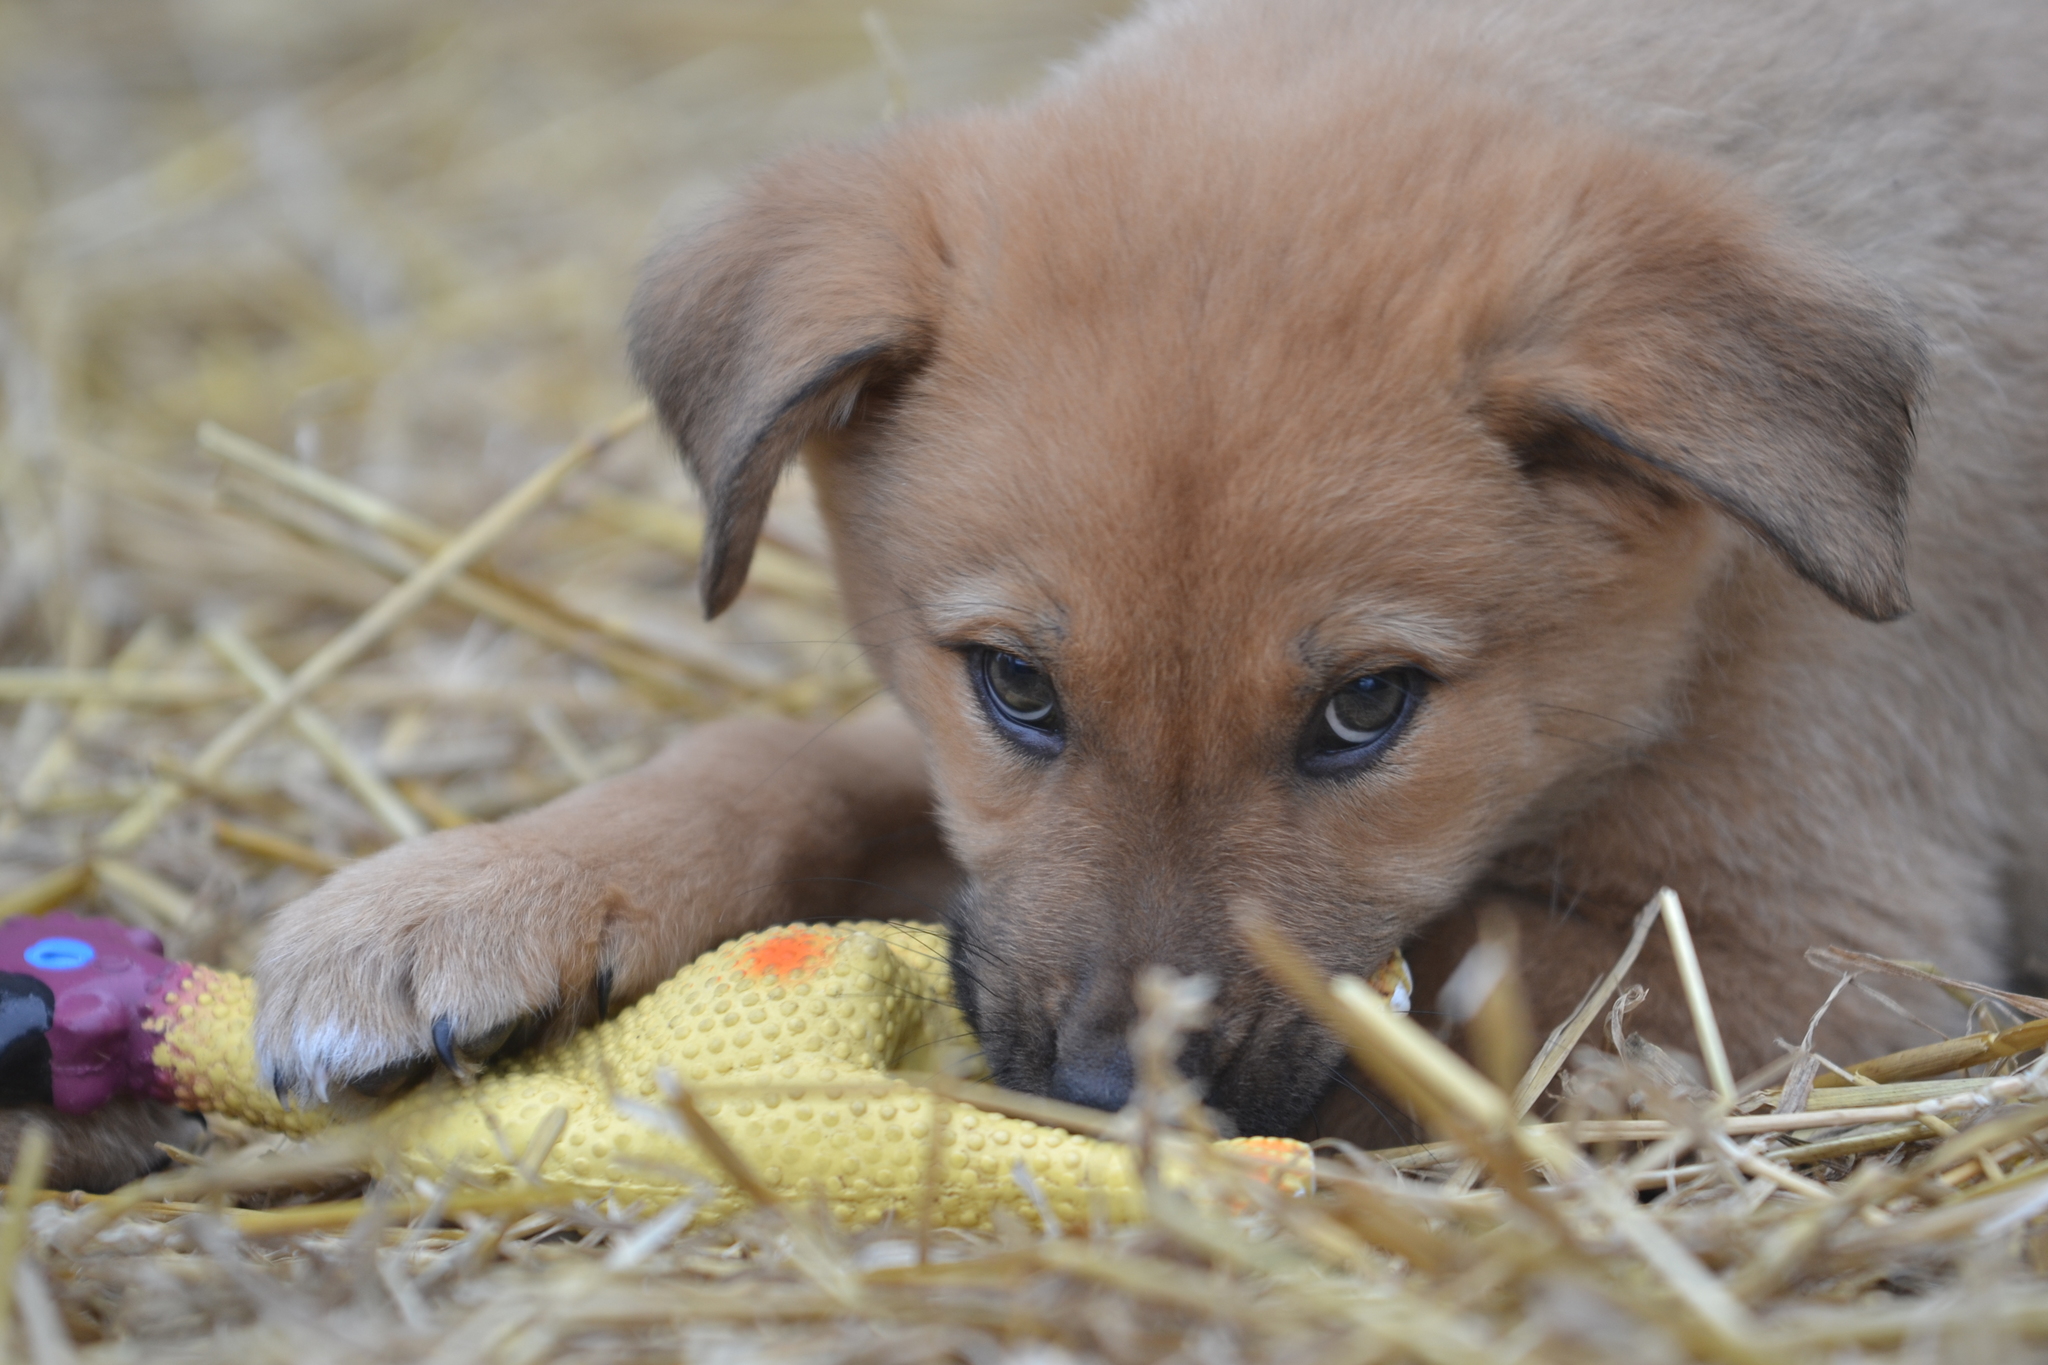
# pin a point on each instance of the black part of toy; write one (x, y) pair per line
(27, 1007)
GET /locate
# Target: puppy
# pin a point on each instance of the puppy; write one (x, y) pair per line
(1379, 461)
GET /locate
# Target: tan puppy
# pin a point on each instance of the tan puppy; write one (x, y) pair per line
(1378, 460)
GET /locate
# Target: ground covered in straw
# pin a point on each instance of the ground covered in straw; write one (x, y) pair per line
(329, 517)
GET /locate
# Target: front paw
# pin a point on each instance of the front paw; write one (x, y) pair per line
(443, 947)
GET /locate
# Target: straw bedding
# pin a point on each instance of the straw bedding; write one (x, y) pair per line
(329, 517)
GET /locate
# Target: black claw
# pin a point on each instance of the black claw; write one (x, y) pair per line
(604, 994)
(444, 1043)
(280, 1083)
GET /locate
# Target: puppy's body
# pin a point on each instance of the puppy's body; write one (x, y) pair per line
(1560, 361)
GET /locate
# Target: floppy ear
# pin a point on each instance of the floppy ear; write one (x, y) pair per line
(1706, 355)
(767, 325)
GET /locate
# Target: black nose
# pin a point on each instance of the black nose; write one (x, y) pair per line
(1095, 1072)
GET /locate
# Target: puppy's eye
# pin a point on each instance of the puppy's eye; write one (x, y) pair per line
(1019, 698)
(1357, 722)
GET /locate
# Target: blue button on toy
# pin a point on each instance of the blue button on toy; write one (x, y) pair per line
(59, 954)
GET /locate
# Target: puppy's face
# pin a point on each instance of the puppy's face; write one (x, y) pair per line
(1188, 637)
(1236, 556)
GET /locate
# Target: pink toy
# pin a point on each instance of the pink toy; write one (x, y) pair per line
(74, 994)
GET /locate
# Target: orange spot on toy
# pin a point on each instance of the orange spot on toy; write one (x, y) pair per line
(787, 954)
(1278, 1150)
(1288, 1166)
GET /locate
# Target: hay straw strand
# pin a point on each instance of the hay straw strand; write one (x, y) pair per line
(368, 785)
(1694, 981)
(276, 847)
(517, 604)
(1550, 1058)
(46, 892)
(367, 629)
(30, 1160)
(165, 904)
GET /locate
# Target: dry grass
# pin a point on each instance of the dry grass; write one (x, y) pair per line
(296, 299)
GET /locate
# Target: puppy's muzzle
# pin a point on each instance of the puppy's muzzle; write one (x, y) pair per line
(1091, 1059)
(1085, 1056)
(1096, 1072)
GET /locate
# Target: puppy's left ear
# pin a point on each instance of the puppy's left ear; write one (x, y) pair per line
(769, 324)
(1693, 345)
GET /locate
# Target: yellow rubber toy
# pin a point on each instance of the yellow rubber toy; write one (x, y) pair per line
(784, 1039)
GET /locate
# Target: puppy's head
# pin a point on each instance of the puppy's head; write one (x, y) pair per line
(1247, 507)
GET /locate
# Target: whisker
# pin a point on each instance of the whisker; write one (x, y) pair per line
(826, 729)
(1394, 1124)
(1615, 721)
(935, 1042)
(1599, 746)
(935, 912)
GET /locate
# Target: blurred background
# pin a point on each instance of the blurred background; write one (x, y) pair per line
(380, 249)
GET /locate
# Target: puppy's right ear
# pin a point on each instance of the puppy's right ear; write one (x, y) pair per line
(767, 325)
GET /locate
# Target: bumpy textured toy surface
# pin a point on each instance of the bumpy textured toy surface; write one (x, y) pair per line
(785, 1038)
